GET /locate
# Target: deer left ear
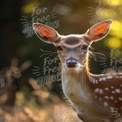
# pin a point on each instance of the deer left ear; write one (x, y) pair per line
(98, 31)
(46, 33)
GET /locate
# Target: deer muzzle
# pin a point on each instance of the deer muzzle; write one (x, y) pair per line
(71, 62)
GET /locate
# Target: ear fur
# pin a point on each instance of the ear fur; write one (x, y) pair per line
(46, 33)
(98, 31)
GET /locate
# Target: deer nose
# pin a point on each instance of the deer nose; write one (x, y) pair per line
(71, 62)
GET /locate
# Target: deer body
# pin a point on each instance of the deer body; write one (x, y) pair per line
(89, 94)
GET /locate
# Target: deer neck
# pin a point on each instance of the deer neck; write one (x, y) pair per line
(76, 87)
(74, 74)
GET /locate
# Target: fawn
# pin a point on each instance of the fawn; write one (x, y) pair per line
(95, 98)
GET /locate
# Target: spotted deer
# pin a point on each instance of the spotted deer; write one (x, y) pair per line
(95, 98)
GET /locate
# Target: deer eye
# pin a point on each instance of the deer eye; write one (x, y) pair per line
(84, 47)
(59, 48)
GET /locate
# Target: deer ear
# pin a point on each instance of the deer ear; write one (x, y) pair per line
(98, 31)
(46, 33)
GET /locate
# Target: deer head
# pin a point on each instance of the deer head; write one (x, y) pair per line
(72, 48)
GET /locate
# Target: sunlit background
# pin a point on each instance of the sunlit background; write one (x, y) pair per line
(25, 61)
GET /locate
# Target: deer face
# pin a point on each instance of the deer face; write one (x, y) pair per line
(72, 49)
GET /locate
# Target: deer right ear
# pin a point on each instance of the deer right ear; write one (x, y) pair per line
(46, 33)
(98, 31)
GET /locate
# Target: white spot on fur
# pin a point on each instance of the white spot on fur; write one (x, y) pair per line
(111, 97)
(117, 90)
(104, 78)
(113, 92)
(106, 97)
(120, 98)
(106, 104)
(112, 87)
(100, 79)
(109, 77)
(106, 88)
(100, 91)
(94, 81)
(97, 90)
(112, 109)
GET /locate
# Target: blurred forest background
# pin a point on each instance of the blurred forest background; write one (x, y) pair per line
(30, 80)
